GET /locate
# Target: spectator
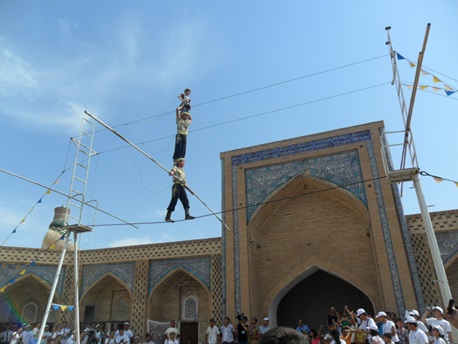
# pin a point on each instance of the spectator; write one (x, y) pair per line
(264, 327)
(438, 320)
(302, 328)
(227, 331)
(212, 333)
(282, 335)
(438, 334)
(416, 336)
(402, 332)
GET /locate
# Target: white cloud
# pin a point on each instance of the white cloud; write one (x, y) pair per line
(16, 76)
(131, 241)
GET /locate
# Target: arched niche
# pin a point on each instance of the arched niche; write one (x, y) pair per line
(313, 296)
(108, 300)
(169, 297)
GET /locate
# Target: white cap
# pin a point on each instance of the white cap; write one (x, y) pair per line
(381, 314)
(439, 309)
(440, 329)
(411, 320)
(414, 312)
(360, 311)
(266, 319)
(126, 323)
(327, 337)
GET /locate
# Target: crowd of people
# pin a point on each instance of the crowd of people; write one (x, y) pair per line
(343, 327)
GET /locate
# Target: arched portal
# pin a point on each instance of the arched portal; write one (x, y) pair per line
(106, 301)
(182, 297)
(312, 298)
(26, 299)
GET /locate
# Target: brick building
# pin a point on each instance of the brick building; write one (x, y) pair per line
(315, 224)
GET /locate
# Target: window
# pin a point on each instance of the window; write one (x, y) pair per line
(190, 309)
(29, 312)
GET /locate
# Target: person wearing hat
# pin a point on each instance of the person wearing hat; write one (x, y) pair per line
(438, 334)
(438, 320)
(365, 323)
(414, 313)
(183, 120)
(416, 336)
(265, 326)
(388, 327)
(178, 191)
(127, 331)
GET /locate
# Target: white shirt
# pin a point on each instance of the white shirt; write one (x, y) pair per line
(129, 333)
(169, 341)
(387, 329)
(418, 337)
(15, 337)
(227, 333)
(27, 337)
(212, 334)
(124, 338)
(367, 323)
(442, 323)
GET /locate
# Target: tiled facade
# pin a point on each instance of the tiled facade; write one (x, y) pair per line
(288, 199)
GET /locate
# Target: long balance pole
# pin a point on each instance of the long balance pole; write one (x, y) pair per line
(155, 161)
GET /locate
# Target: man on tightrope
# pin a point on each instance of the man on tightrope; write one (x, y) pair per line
(178, 191)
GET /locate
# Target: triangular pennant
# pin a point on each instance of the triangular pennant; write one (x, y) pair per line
(409, 87)
(12, 281)
(3, 289)
(22, 272)
(55, 307)
(438, 179)
(23, 220)
(436, 79)
(48, 192)
(424, 72)
(449, 93)
(14, 231)
(412, 64)
(63, 307)
(400, 57)
(62, 237)
(70, 308)
(422, 87)
(52, 246)
(39, 201)
(56, 182)
(435, 89)
(32, 264)
(448, 88)
(456, 183)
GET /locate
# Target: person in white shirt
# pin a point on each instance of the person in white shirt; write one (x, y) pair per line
(212, 333)
(227, 331)
(16, 336)
(332, 338)
(46, 334)
(438, 320)
(148, 339)
(265, 326)
(171, 339)
(122, 338)
(416, 336)
(110, 338)
(388, 327)
(365, 323)
(27, 335)
(171, 329)
(420, 323)
(127, 331)
(438, 335)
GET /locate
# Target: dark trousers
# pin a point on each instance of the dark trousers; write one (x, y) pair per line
(180, 146)
(178, 192)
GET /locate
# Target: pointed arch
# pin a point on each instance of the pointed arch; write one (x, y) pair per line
(101, 279)
(300, 186)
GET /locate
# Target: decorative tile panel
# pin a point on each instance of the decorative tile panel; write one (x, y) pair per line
(44, 272)
(342, 169)
(200, 268)
(93, 273)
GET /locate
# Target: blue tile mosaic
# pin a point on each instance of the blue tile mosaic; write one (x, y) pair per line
(46, 273)
(448, 244)
(93, 273)
(342, 169)
(200, 268)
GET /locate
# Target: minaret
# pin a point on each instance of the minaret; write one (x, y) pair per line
(57, 229)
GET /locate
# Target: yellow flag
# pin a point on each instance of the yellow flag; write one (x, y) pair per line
(456, 183)
(48, 192)
(23, 220)
(412, 64)
(56, 182)
(423, 87)
(52, 246)
(3, 289)
(436, 79)
(22, 272)
(63, 307)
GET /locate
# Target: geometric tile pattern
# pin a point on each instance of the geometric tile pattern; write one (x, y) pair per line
(123, 271)
(46, 273)
(217, 289)
(140, 295)
(200, 268)
(342, 169)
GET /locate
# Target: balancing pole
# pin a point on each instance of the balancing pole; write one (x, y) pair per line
(155, 161)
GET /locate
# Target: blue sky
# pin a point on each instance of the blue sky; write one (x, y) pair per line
(126, 62)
